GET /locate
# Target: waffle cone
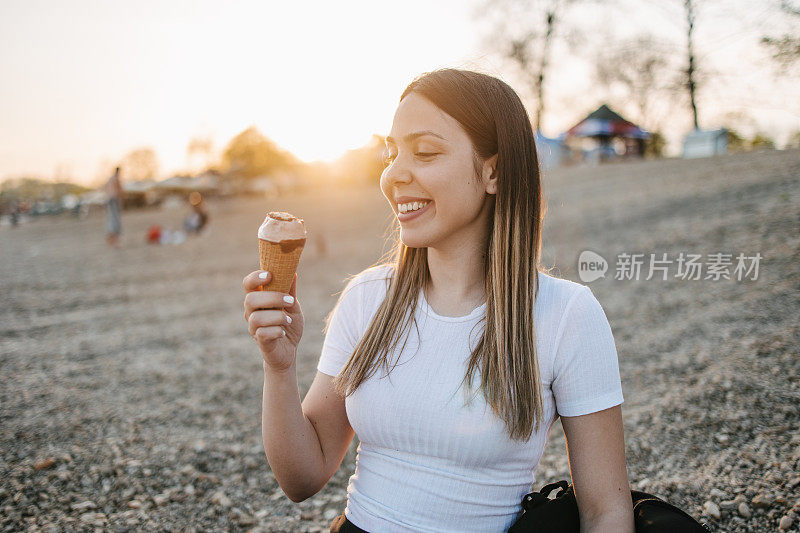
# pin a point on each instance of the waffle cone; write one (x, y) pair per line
(282, 265)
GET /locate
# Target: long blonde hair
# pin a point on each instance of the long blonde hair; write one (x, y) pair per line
(496, 121)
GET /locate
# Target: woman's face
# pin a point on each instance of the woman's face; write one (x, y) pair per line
(430, 157)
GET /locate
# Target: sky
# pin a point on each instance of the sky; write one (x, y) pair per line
(85, 82)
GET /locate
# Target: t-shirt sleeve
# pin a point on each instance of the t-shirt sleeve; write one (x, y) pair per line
(586, 367)
(344, 330)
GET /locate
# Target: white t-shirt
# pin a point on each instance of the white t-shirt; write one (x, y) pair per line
(425, 461)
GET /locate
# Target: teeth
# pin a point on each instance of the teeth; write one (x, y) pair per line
(413, 206)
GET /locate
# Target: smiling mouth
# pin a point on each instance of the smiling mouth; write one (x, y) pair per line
(408, 215)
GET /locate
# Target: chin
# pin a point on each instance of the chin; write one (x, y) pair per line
(413, 241)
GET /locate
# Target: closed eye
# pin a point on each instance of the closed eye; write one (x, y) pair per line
(389, 157)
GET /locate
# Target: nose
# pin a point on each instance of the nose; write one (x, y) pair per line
(396, 173)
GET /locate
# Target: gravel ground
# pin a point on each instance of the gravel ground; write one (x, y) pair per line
(130, 391)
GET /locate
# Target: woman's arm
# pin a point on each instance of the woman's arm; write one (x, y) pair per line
(596, 449)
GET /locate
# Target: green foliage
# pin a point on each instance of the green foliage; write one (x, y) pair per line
(760, 141)
(654, 146)
(36, 189)
(736, 143)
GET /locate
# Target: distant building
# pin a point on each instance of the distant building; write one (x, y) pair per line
(205, 183)
(705, 143)
(139, 194)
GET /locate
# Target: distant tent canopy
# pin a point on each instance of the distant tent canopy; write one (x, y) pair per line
(608, 128)
(603, 122)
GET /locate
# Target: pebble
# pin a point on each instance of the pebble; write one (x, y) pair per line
(716, 493)
(712, 509)
(93, 519)
(83, 506)
(44, 464)
(728, 504)
(244, 519)
(330, 514)
(744, 510)
(762, 501)
(785, 523)
(219, 498)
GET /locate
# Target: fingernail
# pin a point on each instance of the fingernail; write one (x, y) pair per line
(263, 275)
(284, 332)
(288, 299)
(288, 319)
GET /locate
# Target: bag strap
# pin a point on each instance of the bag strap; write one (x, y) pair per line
(655, 500)
(533, 499)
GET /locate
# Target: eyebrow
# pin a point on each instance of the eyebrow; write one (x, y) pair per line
(411, 136)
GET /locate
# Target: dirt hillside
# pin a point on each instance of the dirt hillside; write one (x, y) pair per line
(130, 390)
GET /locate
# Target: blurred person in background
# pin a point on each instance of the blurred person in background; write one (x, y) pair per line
(113, 189)
(198, 218)
(14, 214)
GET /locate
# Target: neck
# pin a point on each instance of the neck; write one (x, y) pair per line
(457, 266)
(459, 276)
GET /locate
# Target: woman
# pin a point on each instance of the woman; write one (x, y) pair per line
(451, 435)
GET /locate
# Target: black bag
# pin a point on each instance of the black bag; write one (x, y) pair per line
(651, 514)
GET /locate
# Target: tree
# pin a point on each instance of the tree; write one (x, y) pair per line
(690, 79)
(30, 188)
(524, 34)
(639, 65)
(140, 164)
(199, 152)
(786, 48)
(761, 141)
(654, 145)
(690, 70)
(250, 155)
(736, 142)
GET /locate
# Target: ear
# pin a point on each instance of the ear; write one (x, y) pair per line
(489, 174)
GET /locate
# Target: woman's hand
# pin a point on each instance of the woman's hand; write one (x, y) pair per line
(274, 323)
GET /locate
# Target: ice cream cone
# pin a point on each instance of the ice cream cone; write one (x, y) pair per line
(281, 239)
(280, 263)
